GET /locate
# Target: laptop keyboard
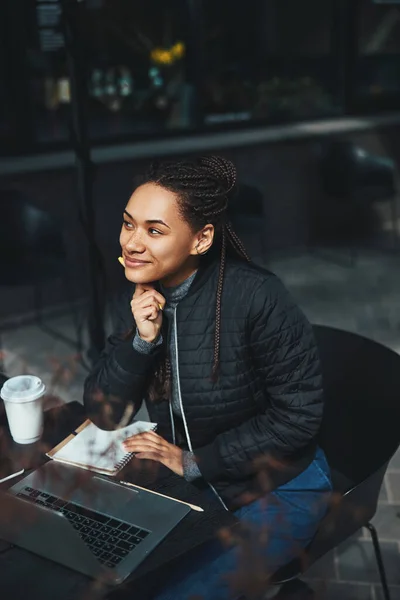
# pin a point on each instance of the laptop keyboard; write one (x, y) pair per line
(110, 540)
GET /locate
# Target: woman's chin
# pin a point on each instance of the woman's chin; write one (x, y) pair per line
(139, 276)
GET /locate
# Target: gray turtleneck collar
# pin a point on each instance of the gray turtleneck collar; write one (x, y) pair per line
(173, 295)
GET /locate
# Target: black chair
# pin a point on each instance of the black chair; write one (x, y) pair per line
(246, 212)
(359, 434)
(352, 180)
(32, 253)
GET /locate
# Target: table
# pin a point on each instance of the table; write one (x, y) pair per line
(23, 573)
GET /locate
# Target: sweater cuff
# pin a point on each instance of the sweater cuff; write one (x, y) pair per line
(146, 347)
(190, 469)
(210, 463)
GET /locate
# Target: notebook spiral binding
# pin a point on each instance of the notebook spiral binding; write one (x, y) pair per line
(124, 461)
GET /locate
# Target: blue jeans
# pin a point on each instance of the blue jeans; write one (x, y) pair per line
(275, 529)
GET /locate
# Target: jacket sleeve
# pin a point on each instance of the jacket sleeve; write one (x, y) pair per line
(114, 390)
(286, 361)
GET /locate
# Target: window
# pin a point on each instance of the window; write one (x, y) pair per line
(137, 67)
(14, 131)
(135, 58)
(268, 60)
(157, 67)
(377, 67)
(5, 112)
(47, 72)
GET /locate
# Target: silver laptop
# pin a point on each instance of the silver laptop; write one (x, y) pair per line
(90, 524)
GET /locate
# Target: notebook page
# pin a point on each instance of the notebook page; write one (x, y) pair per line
(100, 449)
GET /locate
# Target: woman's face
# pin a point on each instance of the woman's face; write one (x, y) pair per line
(157, 244)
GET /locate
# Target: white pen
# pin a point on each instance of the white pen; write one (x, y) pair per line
(192, 506)
(12, 475)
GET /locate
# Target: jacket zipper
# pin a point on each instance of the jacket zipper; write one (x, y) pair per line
(171, 414)
(178, 383)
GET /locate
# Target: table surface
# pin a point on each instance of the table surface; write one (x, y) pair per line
(22, 571)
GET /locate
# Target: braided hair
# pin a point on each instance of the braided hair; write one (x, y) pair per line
(203, 187)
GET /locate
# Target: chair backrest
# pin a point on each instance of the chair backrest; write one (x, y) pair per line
(23, 226)
(32, 245)
(361, 424)
(348, 170)
(360, 433)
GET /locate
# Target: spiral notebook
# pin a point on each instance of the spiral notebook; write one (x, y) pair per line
(97, 450)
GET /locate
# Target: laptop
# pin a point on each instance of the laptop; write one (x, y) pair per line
(83, 521)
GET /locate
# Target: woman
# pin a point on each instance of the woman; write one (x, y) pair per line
(226, 363)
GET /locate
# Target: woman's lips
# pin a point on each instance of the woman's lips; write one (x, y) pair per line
(134, 263)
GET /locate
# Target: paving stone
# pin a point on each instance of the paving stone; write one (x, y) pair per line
(383, 495)
(387, 522)
(394, 592)
(357, 562)
(394, 487)
(333, 590)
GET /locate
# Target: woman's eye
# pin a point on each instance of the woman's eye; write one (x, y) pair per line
(127, 224)
(154, 231)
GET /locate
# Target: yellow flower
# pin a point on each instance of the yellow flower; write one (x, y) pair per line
(154, 55)
(166, 57)
(178, 50)
(161, 56)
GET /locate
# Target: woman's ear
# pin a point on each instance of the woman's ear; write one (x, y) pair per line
(203, 240)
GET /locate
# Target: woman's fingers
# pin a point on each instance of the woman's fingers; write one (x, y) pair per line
(152, 446)
(148, 435)
(151, 435)
(142, 447)
(145, 290)
(145, 441)
(137, 309)
(149, 455)
(148, 310)
(159, 299)
(148, 298)
(147, 314)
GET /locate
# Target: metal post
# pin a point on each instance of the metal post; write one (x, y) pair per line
(84, 165)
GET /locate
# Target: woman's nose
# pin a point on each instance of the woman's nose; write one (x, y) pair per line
(134, 243)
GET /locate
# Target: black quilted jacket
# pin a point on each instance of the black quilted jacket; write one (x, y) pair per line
(252, 430)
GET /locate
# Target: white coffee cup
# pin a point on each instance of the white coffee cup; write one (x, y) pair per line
(22, 397)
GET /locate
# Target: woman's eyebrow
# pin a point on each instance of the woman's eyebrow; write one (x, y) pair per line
(157, 221)
(149, 221)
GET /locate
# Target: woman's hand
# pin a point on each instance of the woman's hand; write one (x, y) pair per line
(147, 305)
(152, 446)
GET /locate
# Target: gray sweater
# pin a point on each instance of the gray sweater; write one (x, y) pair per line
(173, 296)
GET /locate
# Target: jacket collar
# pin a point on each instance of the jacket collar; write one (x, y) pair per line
(208, 269)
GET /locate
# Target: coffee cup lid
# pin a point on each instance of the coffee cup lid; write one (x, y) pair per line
(23, 388)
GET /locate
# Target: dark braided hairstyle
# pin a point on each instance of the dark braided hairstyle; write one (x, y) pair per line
(203, 187)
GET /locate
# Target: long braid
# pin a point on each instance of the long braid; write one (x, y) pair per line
(160, 387)
(203, 187)
(228, 234)
(168, 375)
(217, 336)
(236, 242)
